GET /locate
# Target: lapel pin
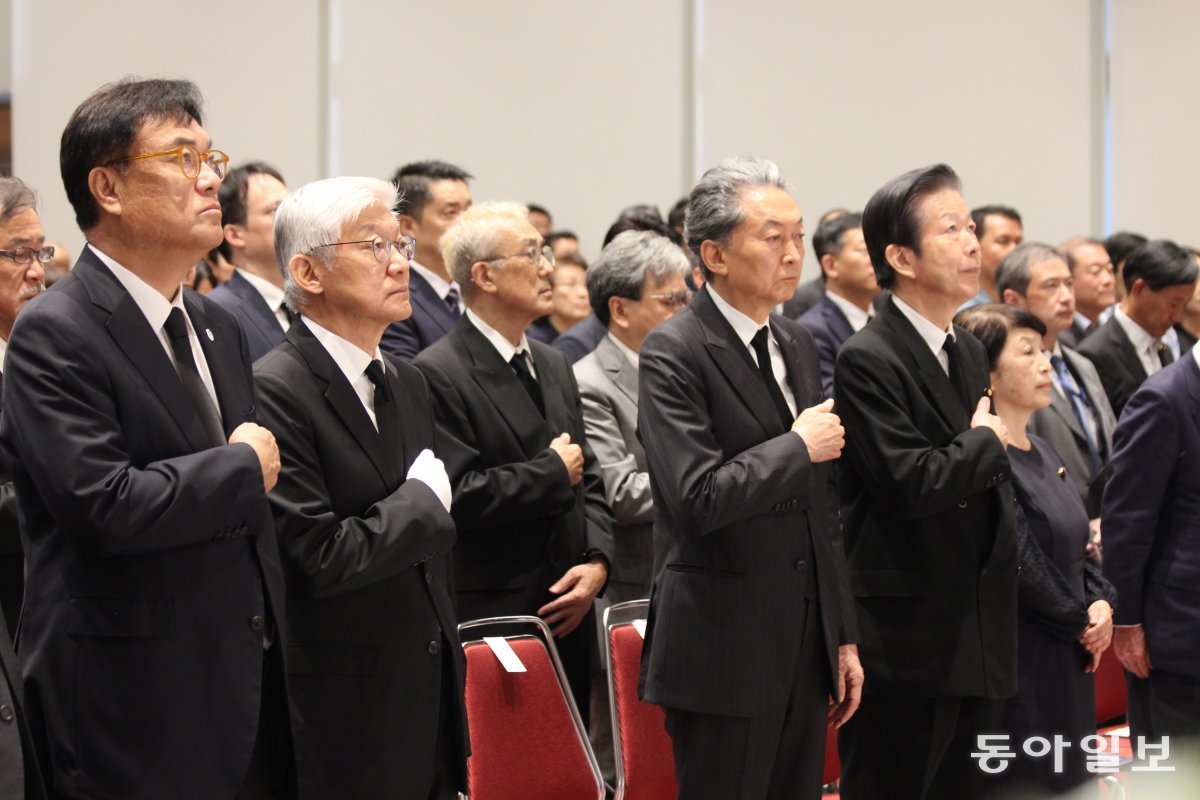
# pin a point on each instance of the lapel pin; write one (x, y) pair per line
(1062, 473)
(210, 336)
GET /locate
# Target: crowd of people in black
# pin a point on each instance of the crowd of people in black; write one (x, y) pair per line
(916, 498)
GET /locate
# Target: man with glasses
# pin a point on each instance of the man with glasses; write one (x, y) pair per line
(636, 284)
(362, 510)
(150, 629)
(534, 529)
(249, 196)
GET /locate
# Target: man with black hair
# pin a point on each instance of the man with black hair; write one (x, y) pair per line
(249, 196)
(154, 661)
(1160, 278)
(433, 194)
(999, 230)
(540, 219)
(928, 513)
(850, 288)
(1119, 246)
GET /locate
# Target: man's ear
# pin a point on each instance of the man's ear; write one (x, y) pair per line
(618, 313)
(235, 234)
(481, 276)
(307, 273)
(902, 260)
(713, 255)
(105, 185)
(1011, 298)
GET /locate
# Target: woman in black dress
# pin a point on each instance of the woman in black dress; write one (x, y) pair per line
(1065, 604)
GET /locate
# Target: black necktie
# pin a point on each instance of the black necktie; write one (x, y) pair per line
(957, 379)
(385, 414)
(452, 302)
(763, 352)
(528, 381)
(1165, 356)
(189, 374)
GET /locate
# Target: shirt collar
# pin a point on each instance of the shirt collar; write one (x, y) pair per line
(857, 318)
(271, 293)
(1139, 337)
(351, 359)
(743, 326)
(625, 349)
(153, 305)
(933, 336)
(503, 346)
(1196, 352)
(436, 282)
(3, 352)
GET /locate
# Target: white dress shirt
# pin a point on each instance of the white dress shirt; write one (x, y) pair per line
(745, 328)
(353, 361)
(156, 309)
(933, 336)
(503, 346)
(436, 282)
(857, 318)
(271, 293)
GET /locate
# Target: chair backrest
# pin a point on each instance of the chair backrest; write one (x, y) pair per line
(1111, 693)
(641, 747)
(527, 740)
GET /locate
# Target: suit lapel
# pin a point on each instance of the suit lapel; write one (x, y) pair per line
(140, 344)
(435, 308)
(802, 390)
(623, 374)
(733, 359)
(839, 326)
(506, 394)
(1126, 352)
(342, 399)
(264, 319)
(934, 381)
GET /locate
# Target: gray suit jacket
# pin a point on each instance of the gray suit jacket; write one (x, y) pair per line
(608, 385)
(1058, 426)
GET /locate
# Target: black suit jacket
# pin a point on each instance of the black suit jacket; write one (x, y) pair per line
(20, 776)
(12, 557)
(830, 329)
(1074, 335)
(929, 517)
(521, 524)
(738, 507)
(1151, 516)
(581, 338)
(367, 560)
(1120, 369)
(151, 556)
(259, 323)
(807, 295)
(431, 319)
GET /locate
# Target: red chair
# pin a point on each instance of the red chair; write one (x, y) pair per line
(833, 765)
(1111, 693)
(527, 739)
(642, 750)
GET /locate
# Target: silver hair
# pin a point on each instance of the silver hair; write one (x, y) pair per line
(715, 204)
(475, 236)
(315, 214)
(15, 195)
(624, 263)
(1013, 271)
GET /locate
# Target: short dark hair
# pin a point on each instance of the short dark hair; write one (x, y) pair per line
(891, 216)
(413, 182)
(678, 213)
(105, 125)
(232, 195)
(534, 208)
(1013, 270)
(828, 238)
(1071, 247)
(991, 324)
(15, 195)
(621, 269)
(641, 224)
(1160, 264)
(1121, 244)
(979, 216)
(554, 236)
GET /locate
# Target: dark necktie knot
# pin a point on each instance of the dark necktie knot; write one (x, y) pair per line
(176, 326)
(375, 375)
(521, 367)
(452, 301)
(1165, 356)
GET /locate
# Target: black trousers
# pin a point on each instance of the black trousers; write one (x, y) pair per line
(777, 755)
(272, 771)
(1165, 705)
(916, 747)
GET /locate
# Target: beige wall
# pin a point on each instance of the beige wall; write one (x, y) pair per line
(589, 107)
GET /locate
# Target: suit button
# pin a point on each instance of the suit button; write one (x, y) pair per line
(962, 503)
(799, 565)
(434, 648)
(428, 577)
(257, 623)
(6, 713)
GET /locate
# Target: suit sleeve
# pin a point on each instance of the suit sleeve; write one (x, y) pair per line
(908, 473)
(488, 496)
(333, 554)
(60, 415)
(626, 488)
(1144, 447)
(706, 490)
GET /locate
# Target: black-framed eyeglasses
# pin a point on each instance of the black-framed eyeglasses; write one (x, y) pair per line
(190, 160)
(674, 300)
(532, 253)
(25, 255)
(381, 248)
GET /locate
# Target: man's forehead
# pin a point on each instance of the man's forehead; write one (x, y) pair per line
(21, 228)
(766, 205)
(375, 219)
(169, 132)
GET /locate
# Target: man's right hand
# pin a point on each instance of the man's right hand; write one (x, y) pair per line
(263, 442)
(571, 455)
(822, 432)
(1129, 643)
(984, 418)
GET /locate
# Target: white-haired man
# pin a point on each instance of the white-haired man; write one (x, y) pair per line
(362, 510)
(535, 532)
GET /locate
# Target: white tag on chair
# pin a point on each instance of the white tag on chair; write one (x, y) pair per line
(640, 626)
(504, 652)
